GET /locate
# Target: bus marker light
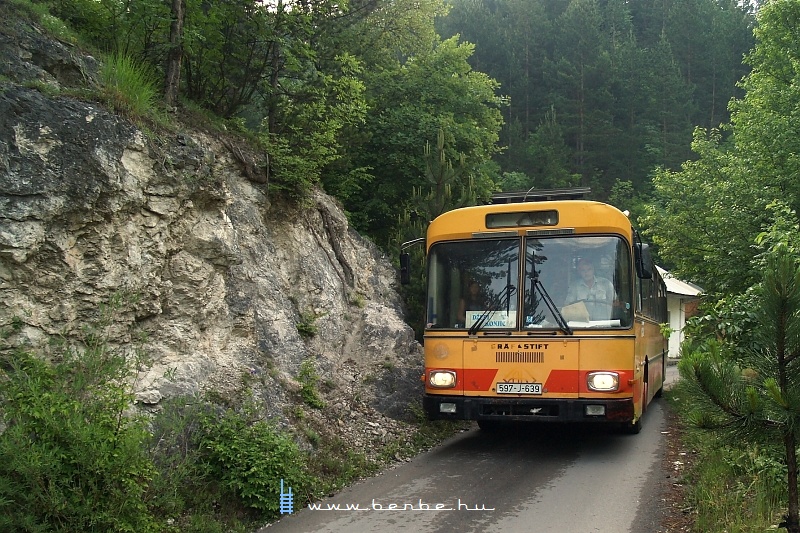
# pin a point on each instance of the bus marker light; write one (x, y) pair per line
(602, 381)
(447, 408)
(595, 410)
(442, 379)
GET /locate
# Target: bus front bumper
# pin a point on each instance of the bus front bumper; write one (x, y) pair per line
(440, 407)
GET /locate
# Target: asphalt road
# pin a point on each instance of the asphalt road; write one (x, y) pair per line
(530, 478)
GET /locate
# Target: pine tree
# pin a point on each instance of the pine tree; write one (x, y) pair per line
(756, 398)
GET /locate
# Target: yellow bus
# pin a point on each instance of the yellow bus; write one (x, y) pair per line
(541, 307)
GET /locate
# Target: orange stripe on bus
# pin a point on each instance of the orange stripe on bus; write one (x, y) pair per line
(478, 379)
(562, 381)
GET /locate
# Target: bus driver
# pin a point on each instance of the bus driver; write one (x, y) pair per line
(595, 292)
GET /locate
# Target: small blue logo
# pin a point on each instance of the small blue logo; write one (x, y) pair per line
(287, 500)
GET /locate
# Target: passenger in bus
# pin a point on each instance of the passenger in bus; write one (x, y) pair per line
(596, 293)
(473, 300)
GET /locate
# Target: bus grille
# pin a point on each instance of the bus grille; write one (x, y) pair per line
(520, 357)
(526, 410)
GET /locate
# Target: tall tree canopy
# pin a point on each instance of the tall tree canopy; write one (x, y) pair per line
(707, 216)
(626, 81)
(411, 104)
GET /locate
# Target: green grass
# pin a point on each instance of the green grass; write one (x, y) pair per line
(730, 489)
(128, 87)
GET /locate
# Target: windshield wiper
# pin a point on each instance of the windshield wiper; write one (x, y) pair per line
(495, 305)
(538, 285)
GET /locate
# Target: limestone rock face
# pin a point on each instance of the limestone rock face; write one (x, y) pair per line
(230, 289)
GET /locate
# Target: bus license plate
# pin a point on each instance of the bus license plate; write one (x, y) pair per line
(518, 388)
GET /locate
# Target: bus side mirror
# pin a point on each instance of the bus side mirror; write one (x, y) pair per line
(405, 268)
(644, 261)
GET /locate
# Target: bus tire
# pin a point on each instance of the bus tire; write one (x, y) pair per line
(634, 428)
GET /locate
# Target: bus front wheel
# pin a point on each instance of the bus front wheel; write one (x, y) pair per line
(634, 428)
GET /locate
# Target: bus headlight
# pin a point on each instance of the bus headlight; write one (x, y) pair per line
(602, 381)
(442, 379)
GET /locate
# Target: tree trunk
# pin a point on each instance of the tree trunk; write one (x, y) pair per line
(792, 522)
(173, 71)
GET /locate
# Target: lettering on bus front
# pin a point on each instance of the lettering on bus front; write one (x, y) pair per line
(520, 346)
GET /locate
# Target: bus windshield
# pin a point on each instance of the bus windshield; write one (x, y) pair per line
(483, 284)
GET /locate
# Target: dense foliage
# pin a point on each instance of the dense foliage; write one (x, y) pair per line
(512, 93)
(728, 220)
(751, 395)
(71, 455)
(707, 216)
(602, 92)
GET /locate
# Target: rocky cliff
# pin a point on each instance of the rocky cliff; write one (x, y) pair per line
(231, 290)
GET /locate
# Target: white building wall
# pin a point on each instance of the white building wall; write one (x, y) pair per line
(677, 319)
(680, 294)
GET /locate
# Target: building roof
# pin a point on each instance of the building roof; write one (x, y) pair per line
(676, 286)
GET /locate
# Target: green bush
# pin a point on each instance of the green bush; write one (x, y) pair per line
(71, 459)
(250, 457)
(307, 325)
(74, 457)
(184, 483)
(41, 13)
(309, 379)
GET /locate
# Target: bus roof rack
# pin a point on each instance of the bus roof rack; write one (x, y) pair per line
(540, 195)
